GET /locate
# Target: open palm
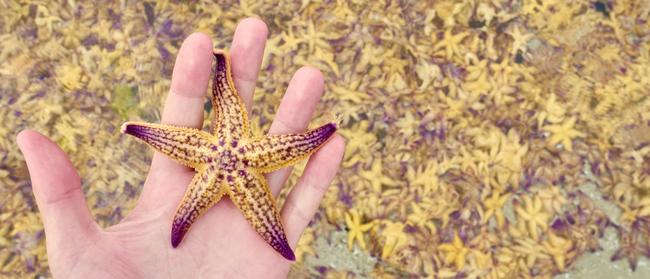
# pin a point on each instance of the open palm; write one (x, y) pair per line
(221, 243)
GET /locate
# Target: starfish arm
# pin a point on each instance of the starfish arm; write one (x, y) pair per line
(250, 193)
(202, 193)
(278, 151)
(187, 146)
(230, 116)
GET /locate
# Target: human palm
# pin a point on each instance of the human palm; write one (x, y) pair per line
(221, 243)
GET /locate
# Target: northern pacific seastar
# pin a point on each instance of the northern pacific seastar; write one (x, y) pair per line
(229, 161)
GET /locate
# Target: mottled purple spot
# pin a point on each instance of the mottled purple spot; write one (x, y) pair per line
(234, 143)
(570, 219)
(30, 263)
(30, 33)
(89, 40)
(595, 168)
(558, 225)
(169, 30)
(321, 269)
(230, 178)
(213, 147)
(410, 229)
(40, 94)
(167, 25)
(164, 53)
(346, 199)
(463, 235)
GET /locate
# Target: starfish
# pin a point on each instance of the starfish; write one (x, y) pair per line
(455, 252)
(533, 215)
(493, 207)
(564, 133)
(356, 229)
(229, 161)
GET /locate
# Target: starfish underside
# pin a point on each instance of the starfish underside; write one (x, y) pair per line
(229, 161)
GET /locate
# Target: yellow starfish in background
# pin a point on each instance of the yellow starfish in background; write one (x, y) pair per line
(356, 229)
(558, 248)
(530, 251)
(450, 43)
(424, 176)
(552, 198)
(305, 244)
(644, 207)
(456, 251)
(533, 215)
(493, 206)
(375, 176)
(394, 236)
(520, 40)
(564, 133)
(482, 261)
(229, 161)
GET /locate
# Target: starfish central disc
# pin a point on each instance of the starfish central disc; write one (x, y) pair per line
(229, 161)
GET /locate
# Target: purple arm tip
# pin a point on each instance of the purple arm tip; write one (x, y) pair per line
(178, 232)
(288, 254)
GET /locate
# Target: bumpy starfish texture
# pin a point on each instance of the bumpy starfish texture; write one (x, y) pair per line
(229, 161)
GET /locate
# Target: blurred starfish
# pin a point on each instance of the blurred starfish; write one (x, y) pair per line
(533, 215)
(229, 161)
(455, 252)
(564, 133)
(356, 229)
(630, 247)
(493, 207)
(558, 248)
(450, 43)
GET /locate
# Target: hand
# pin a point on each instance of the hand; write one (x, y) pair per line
(221, 243)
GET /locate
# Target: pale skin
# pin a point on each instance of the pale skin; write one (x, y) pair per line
(221, 244)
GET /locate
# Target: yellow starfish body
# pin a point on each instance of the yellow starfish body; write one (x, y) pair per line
(493, 207)
(558, 248)
(455, 252)
(353, 221)
(533, 215)
(564, 133)
(230, 161)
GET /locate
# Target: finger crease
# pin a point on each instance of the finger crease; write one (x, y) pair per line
(66, 195)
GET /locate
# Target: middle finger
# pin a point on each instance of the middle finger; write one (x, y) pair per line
(294, 113)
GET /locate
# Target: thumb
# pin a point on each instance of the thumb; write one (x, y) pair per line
(69, 227)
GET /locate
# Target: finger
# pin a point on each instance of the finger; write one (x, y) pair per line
(246, 53)
(186, 97)
(68, 224)
(303, 201)
(295, 112)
